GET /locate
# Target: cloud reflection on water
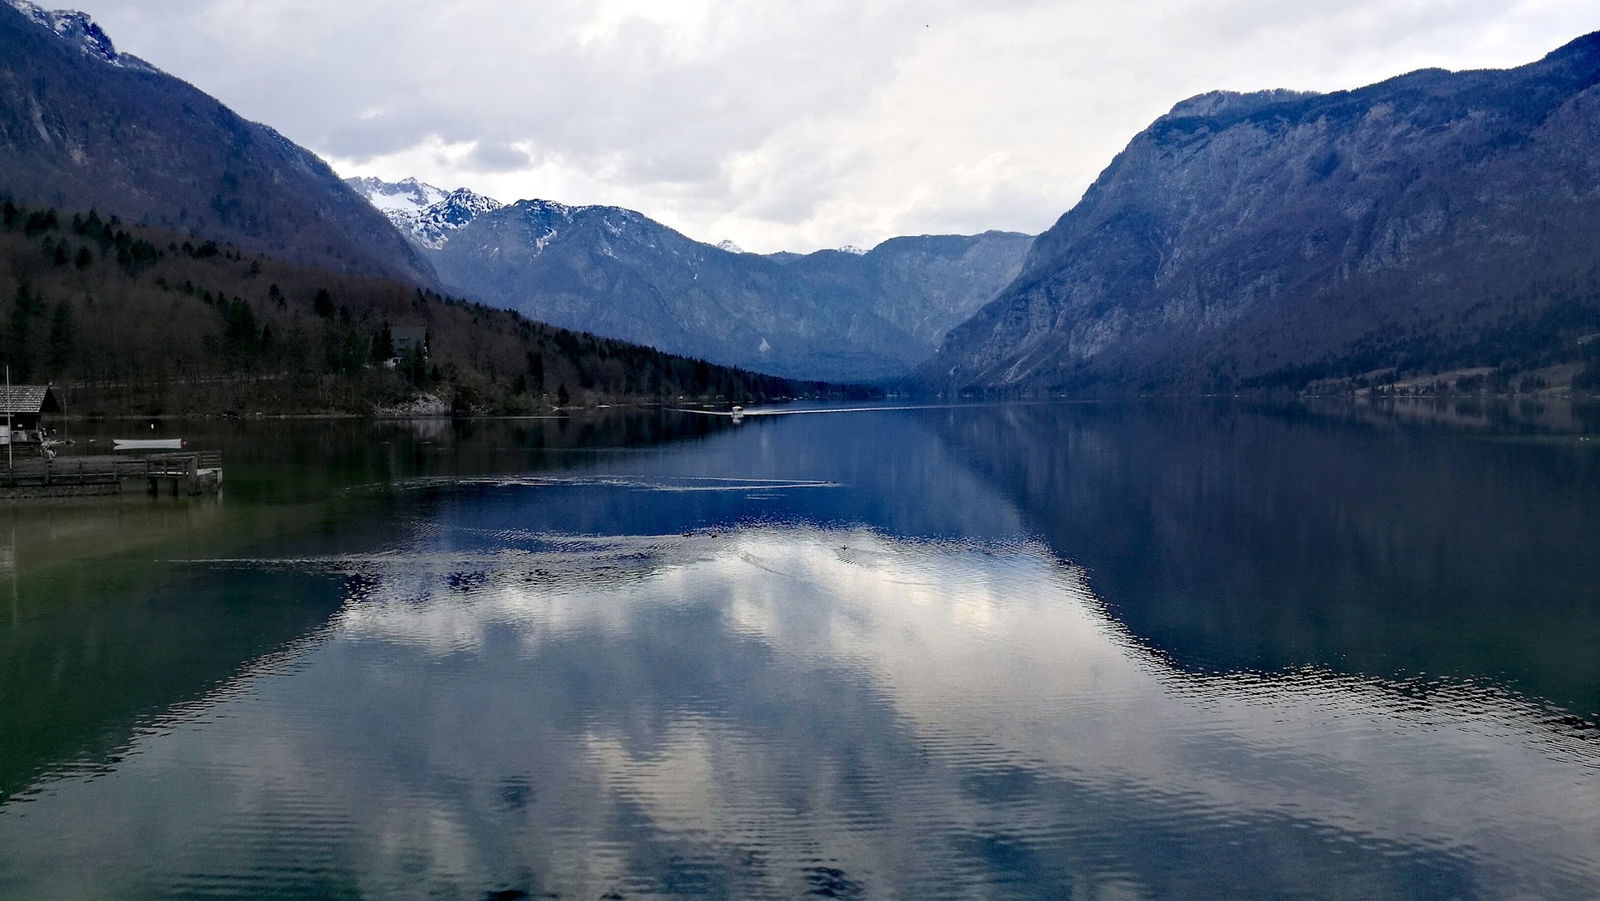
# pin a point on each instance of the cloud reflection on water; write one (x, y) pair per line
(776, 708)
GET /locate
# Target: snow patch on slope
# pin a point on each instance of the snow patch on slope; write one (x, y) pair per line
(405, 196)
(426, 214)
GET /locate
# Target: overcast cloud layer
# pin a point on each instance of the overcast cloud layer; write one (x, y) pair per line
(787, 125)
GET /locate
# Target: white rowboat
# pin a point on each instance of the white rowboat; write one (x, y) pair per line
(147, 444)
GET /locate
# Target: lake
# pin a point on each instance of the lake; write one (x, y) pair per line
(1051, 650)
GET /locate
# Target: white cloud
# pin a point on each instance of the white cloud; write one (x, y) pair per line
(787, 125)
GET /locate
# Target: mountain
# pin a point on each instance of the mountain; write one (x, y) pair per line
(131, 320)
(425, 214)
(846, 315)
(83, 126)
(1435, 221)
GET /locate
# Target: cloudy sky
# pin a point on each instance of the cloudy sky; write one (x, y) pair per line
(783, 125)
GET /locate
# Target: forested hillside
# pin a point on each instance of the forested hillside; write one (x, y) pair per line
(133, 320)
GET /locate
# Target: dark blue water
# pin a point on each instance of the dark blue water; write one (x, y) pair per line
(1137, 650)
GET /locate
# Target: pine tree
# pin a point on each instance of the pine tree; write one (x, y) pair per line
(239, 325)
(20, 343)
(63, 338)
(536, 370)
(383, 345)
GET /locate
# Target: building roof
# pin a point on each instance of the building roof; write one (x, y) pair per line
(414, 334)
(30, 399)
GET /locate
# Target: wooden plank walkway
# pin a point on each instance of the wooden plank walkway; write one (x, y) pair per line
(183, 472)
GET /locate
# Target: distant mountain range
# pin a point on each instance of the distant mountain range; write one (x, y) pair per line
(839, 315)
(1431, 222)
(82, 126)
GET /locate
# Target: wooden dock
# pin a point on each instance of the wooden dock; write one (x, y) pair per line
(183, 473)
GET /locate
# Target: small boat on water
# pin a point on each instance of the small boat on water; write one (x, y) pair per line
(122, 444)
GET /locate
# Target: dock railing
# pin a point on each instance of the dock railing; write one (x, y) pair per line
(99, 470)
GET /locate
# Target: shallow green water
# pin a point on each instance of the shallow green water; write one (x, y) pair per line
(1016, 651)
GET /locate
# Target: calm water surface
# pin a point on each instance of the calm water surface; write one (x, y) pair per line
(1020, 651)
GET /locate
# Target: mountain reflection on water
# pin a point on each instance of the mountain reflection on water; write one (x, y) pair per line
(1004, 651)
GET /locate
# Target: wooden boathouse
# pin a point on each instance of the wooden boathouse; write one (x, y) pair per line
(23, 408)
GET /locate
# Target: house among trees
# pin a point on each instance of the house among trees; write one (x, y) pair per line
(407, 337)
(27, 405)
(404, 348)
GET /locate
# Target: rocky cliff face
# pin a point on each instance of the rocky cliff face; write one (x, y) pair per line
(1435, 219)
(832, 315)
(83, 126)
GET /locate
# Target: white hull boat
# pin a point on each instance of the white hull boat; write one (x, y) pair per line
(146, 444)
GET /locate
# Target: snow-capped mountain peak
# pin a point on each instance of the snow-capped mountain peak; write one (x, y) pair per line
(460, 207)
(729, 246)
(851, 248)
(424, 213)
(79, 29)
(548, 208)
(407, 195)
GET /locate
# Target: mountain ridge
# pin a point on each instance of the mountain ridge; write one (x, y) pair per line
(843, 314)
(78, 29)
(83, 126)
(831, 315)
(1281, 238)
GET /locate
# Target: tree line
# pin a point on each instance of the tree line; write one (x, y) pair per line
(133, 320)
